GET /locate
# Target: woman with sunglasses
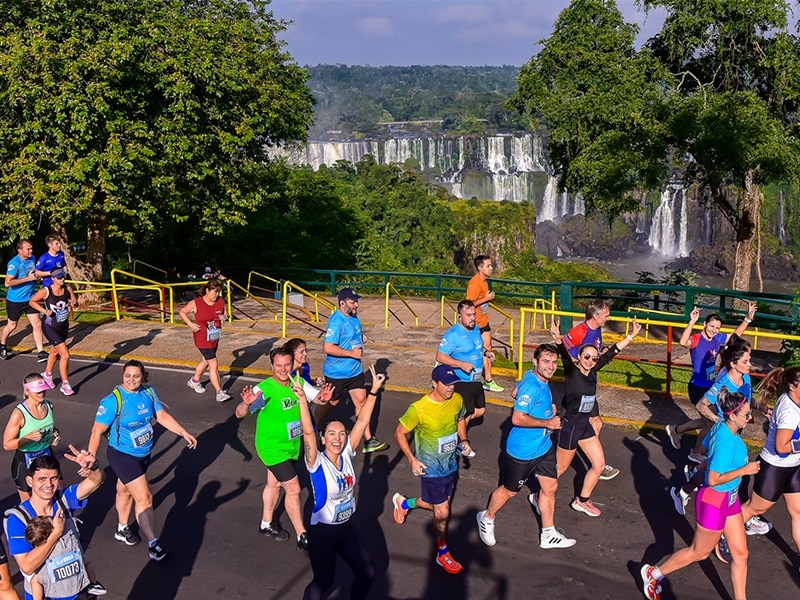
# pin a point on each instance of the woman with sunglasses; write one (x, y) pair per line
(580, 421)
(717, 503)
(30, 431)
(54, 302)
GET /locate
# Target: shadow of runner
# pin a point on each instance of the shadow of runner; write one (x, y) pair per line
(246, 356)
(119, 354)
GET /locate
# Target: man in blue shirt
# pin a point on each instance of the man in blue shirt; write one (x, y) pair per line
(530, 451)
(344, 347)
(21, 281)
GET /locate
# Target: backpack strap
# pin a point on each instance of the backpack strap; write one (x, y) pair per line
(18, 512)
(118, 396)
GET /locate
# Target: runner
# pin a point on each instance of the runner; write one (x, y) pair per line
(54, 302)
(478, 292)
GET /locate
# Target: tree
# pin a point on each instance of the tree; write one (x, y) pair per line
(118, 116)
(713, 95)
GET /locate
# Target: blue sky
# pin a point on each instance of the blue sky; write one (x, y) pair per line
(426, 32)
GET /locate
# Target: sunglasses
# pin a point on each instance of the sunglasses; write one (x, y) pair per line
(591, 357)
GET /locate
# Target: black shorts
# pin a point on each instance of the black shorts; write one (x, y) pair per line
(514, 472)
(283, 471)
(16, 309)
(473, 395)
(345, 385)
(56, 335)
(772, 482)
(574, 430)
(438, 490)
(487, 328)
(19, 469)
(696, 393)
(127, 468)
(208, 353)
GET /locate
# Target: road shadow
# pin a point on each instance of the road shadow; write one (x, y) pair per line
(119, 354)
(246, 356)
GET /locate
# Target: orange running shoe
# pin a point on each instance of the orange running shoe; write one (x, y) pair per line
(448, 563)
(400, 513)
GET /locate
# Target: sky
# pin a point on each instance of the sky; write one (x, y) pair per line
(427, 32)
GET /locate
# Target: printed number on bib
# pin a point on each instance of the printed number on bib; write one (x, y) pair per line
(732, 497)
(64, 566)
(344, 511)
(294, 429)
(142, 436)
(213, 334)
(447, 444)
(476, 375)
(62, 315)
(711, 373)
(30, 456)
(587, 404)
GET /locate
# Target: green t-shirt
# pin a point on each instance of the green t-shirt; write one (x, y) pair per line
(278, 429)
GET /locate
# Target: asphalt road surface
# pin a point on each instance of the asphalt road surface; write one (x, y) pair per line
(208, 505)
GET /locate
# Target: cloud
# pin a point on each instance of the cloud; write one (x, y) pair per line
(374, 26)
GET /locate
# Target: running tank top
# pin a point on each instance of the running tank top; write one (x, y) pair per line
(31, 424)
(59, 305)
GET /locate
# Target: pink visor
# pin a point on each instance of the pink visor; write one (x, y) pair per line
(37, 385)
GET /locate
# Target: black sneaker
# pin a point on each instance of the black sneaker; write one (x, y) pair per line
(42, 356)
(128, 536)
(302, 543)
(96, 589)
(374, 445)
(157, 553)
(275, 531)
(3, 352)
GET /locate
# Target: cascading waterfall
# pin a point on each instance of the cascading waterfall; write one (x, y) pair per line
(664, 238)
(549, 202)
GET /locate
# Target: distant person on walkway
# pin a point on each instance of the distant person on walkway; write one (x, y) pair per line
(127, 414)
(717, 504)
(21, 282)
(344, 348)
(438, 421)
(209, 313)
(52, 259)
(30, 431)
(277, 441)
(478, 292)
(530, 452)
(590, 332)
(704, 348)
(333, 480)
(54, 303)
(462, 349)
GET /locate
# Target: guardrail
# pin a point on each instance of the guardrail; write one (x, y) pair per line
(144, 264)
(389, 287)
(251, 274)
(288, 285)
(160, 287)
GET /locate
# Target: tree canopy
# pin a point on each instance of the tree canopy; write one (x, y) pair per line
(118, 116)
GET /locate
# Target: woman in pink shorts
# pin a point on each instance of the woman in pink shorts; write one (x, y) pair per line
(717, 503)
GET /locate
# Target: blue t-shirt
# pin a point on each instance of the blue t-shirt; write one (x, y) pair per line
(19, 269)
(464, 344)
(534, 399)
(726, 452)
(703, 353)
(48, 262)
(725, 381)
(581, 335)
(135, 420)
(346, 333)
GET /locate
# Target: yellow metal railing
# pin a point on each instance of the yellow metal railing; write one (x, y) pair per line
(152, 285)
(141, 262)
(252, 274)
(250, 295)
(288, 285)
(510, 327)
(389, 287)
(441, 310)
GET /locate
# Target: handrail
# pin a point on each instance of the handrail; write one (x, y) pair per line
(249, 295)
(510, 326)
(287, 285)
(403, 300)
(161, 288)
(257, 274)
(444, 301)
(146, 265)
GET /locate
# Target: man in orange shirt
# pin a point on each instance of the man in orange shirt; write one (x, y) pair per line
(478, 292)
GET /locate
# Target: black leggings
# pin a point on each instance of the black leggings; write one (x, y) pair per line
(324, 543)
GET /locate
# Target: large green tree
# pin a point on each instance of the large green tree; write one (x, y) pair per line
(117, 116)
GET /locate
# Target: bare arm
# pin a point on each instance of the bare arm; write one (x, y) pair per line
(184, 314)
(636, 327)
(401, 436)
(171, 424)
(365, 414)
(704, 407)
(751, 312)
(334, 350)
(11, 439)
(249, 395)
(37, 302)
(12, 281)
(448, 360)
(521, 419)
(686, 335)
(35, 558)
(750, 468)
(310, 449)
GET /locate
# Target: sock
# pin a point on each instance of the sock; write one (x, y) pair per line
(121, 526)
(195, 380)
(442, 547)
(486, 518)
(265, 524)
(49, 373)
(152, 542)
(657, 574)
(583, 499)
(409, 503)
(548, 530)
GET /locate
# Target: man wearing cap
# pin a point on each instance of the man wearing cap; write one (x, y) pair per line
(462, 349)
(530, 451)
(20, 281)
(438, 421)
(344, 346)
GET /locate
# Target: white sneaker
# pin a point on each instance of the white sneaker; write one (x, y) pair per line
(196, 386)
(609, 472)
(757, 526)
(555, 540)
(222, 396)
(485, 529)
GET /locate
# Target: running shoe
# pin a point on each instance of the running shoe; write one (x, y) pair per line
(533, 498)
(587, 507)
(696, 456)
(96, 589)
(373, 444)
(275, 531)
(127, 535)
(757, 526)
(485, 528)
(680, 498)
(48, 380)
(42, 356)
(400, 513)
(302, 543)
(491, 386)
(448, 563)
(722, 551)
(650, 587)
(688, 472)
(222, 396)
(196, 386)
(66, 389)
(157, 553)
(555, 540)
(609, 472)
(3, 352)
(674, 437)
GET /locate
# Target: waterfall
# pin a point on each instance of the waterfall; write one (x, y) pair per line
(549, 202)
(663, 238)
(683, 232)
(781, 222)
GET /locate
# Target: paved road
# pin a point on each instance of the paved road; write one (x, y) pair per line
(208, 503)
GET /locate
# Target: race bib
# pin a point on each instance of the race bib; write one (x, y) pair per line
(62, 315)
(476, 375)
(213, 333)
(587, 404)
(732, 497)
(448, 443)
(294, 429)
(64, 566)
(344, 511)
(30, 456)
(142, 436)
(711, 373)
